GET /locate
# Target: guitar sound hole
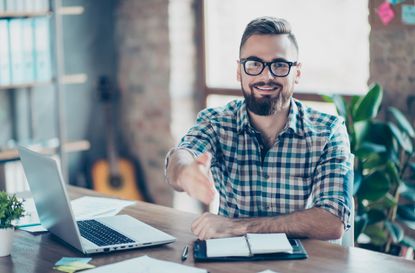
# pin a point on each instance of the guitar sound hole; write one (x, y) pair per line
(116, 181)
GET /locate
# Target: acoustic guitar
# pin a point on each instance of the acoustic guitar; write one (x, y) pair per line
(115, 175)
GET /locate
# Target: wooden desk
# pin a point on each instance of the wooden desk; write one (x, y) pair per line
(39, 253)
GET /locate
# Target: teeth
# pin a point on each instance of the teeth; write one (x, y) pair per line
(266, 88)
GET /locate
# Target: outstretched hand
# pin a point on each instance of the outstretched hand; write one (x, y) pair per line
(196, 179)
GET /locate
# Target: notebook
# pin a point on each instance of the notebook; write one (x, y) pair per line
(263, 246)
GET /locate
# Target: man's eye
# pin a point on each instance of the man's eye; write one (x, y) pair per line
(254, 64)
(279, 65)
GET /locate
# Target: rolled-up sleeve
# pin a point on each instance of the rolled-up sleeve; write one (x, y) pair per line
(333, 176)
(199, 139)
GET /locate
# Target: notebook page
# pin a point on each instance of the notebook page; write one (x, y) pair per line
(269, 243)
(224, 247)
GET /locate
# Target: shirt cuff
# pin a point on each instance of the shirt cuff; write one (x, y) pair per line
(339, 210)
(168, 155)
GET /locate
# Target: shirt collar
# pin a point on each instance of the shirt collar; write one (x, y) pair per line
(294, 119)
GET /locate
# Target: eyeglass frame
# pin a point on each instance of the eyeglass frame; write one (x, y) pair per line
(267, 64)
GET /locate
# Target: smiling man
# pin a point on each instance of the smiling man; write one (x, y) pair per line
(278, 165)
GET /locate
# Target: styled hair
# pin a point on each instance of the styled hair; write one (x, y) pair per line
(267, 25)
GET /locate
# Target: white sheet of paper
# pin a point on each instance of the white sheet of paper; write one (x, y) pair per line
(269, 243)
(224, 247)
(145, 264)
(89, 207)
(86, 207)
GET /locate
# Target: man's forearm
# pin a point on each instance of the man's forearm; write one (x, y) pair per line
(178, 159)
(315, 223)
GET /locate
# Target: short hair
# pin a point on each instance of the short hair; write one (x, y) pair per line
(267, 25)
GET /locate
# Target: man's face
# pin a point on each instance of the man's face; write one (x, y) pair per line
(265, 94)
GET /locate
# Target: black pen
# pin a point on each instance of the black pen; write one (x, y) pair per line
(185, 252)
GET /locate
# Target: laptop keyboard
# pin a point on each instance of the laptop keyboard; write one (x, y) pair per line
(100, 234)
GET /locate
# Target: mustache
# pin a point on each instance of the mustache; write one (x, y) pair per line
(270, 84)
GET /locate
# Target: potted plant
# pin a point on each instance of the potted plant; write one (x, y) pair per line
(11, 209)
(384, 170)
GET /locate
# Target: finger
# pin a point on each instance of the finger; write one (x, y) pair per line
(205, 159)
(198, 223)
(202, 234)
(203, 190)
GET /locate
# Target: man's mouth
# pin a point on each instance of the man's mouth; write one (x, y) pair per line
(267, 88)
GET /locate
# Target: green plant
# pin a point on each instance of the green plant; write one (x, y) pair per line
(10, 209)
(384, 171)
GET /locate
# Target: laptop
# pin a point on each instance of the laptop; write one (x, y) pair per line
(104, 234)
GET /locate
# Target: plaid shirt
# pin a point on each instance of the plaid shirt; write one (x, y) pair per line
(309, 165)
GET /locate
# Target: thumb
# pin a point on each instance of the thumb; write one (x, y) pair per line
(204, 159)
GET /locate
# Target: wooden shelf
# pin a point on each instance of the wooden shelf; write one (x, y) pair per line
(16, 14)
(67, 79)
(25, 85)
(68, 147)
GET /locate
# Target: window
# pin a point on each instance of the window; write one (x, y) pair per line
(333, 37)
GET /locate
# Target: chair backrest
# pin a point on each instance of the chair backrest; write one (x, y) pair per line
(348, 236)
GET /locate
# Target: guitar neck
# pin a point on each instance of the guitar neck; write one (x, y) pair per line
(111, 141)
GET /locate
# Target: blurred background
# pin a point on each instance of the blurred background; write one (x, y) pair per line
(97, 82)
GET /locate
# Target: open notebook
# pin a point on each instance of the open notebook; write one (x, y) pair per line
(258, 246)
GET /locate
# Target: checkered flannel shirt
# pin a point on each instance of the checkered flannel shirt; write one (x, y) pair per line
(309, 165)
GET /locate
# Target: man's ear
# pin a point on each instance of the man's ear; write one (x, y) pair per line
(238, 71)
(298, 73)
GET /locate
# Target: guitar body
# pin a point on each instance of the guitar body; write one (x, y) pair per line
(122, 185)
(116, 175)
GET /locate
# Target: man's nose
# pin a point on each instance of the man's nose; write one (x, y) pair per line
(266, 73)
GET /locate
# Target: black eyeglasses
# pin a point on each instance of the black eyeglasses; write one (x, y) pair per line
(278, 68)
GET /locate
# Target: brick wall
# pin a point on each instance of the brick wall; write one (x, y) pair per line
(142, 41)
(392, 59)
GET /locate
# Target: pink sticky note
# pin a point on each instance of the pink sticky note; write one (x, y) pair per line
(385, 12)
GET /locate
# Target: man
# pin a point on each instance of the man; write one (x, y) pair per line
(278, 165)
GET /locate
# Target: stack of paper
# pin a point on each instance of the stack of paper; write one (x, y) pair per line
(71, 264)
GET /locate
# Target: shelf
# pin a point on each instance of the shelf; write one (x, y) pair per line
(25, 85)
(70, 10)
(67, 79)
(71, 146)
(23, 14)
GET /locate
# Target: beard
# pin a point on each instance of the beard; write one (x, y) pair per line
(264, 105)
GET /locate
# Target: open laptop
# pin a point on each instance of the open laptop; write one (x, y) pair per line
(118, 232)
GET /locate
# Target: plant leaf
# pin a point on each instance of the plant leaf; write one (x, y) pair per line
(361, 130)
(407, 193)
(376, 234)
(408, 241)
(368, 108)
(375, 216)
(395, 231)
(367, 148)
(393, 172)
(375, 160)
(340, 105)
(406, 212)
(404, 141)
(353, 103)
(387, 202)
(403, 123)
(374, 186)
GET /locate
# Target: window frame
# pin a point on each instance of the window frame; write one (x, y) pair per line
(201, 68)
